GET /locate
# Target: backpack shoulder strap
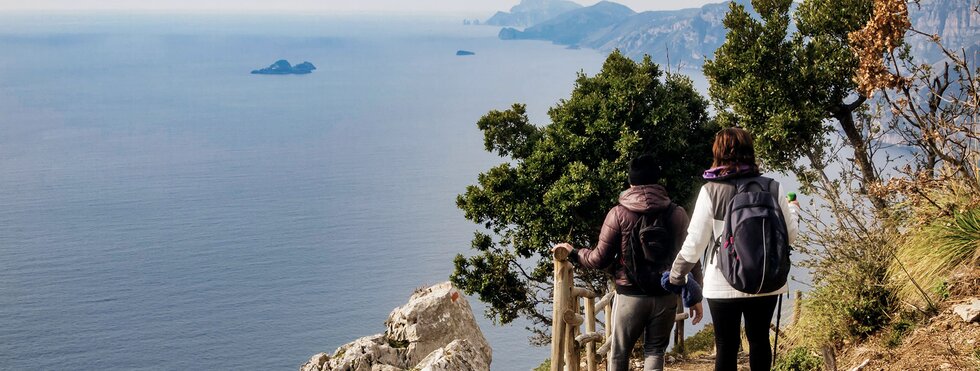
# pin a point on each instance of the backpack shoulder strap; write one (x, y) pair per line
(744, 184)
(720, 193)
(667, 213)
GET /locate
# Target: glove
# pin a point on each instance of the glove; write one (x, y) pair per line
(691, 294)
(665, 282)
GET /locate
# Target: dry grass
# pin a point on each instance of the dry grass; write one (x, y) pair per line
(933, 249)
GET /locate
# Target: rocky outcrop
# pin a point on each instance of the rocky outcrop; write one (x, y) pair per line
(458, 355)
(435, 330)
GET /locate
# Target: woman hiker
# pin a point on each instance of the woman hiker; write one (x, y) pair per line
(648, 310)
(734, 163)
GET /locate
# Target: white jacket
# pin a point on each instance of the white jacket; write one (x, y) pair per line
(699, 233)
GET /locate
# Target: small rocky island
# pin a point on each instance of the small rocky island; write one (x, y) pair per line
(464, 52)
(282, 67)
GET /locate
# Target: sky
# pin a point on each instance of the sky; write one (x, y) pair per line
(460, 7)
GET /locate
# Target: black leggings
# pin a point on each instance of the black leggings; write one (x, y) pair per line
(727, 316)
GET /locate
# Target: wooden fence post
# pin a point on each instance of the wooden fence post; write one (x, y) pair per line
(797, 303)
(590, 328)
(679, 320)
(558, 308)
(572, 320)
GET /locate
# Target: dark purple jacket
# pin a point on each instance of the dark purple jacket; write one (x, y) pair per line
(616, 229)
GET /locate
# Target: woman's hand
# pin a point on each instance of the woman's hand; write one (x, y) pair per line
(563, 245)
(697, 312)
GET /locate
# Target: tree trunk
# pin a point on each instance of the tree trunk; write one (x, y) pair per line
(862, 156)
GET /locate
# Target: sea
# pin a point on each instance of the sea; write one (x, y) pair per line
(161, 208)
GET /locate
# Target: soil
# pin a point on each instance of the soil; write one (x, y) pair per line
(943, 342)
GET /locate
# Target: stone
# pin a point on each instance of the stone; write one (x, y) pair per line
(458, 355)
(365, 353)
(969, 312)
(315, 363)
(433, 318)
(435, 329)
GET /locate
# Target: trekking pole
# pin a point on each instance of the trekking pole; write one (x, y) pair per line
(775, 342)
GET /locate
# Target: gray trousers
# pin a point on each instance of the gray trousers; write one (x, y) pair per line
(652, 316)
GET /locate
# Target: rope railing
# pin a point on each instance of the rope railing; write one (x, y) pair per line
(567, 338)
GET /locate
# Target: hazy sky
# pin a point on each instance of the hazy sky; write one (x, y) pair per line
(468, 7)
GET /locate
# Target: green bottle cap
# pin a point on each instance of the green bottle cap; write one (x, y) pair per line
(791, 196)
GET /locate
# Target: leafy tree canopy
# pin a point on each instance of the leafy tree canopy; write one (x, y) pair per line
(559, 180)
(785, 86)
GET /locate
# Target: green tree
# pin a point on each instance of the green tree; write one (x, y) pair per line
(787, 87)
(559, 180)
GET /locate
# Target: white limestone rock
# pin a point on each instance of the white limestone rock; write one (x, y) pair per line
(458, 355)
(315, 363)
(970, 312)
(433, 318)
(436, 325)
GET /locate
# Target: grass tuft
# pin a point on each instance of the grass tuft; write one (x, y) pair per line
(931, 253)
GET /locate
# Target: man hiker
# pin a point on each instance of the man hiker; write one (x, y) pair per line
(639, 241)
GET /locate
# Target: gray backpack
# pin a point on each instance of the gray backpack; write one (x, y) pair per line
(753, 252)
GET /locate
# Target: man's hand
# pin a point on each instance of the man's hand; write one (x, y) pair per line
(697, 312)
(563, 245)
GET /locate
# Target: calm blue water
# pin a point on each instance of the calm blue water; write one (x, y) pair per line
(161, 208)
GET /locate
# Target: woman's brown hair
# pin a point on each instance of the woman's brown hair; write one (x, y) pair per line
(733, 147)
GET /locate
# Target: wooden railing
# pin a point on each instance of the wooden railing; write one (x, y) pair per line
(567, 337)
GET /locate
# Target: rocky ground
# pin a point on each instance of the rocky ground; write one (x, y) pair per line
(943, 342)
(946, 341)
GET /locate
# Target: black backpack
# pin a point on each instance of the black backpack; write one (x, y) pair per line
(650, 251)
(753, 252)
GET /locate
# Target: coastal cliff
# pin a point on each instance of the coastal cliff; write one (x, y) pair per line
(435, 330)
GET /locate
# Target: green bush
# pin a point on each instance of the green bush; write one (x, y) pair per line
(701, 342)
(898, 331)
(798, 359)
(868, 311)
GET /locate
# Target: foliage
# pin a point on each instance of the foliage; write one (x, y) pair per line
(559, 180)
(754, 84)
(931, 252)
(783, 87)
(884, 31)
(850, 302)
(868, 311)
(899, 329)
(798, 359)
(702, 342)
(544, 366)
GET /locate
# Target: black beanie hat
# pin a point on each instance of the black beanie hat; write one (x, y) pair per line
(644, 170)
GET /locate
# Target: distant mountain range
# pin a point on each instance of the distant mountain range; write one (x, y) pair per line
(955, 21)
(685, 37)
(571, 27)
(531, 12)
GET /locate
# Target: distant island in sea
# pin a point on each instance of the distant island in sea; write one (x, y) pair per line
(464, 52)
(282, 67)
